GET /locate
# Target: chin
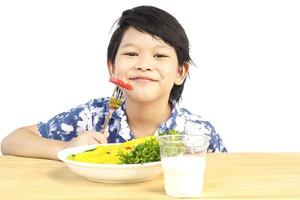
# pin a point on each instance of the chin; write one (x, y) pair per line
(142, 96)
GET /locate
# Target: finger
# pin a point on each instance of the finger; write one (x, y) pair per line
(92, 141)
(100, 138)
(105, 132)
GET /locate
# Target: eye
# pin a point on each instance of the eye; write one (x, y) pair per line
(158, 55)
(131, 54)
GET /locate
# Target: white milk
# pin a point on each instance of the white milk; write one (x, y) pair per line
(183, 175)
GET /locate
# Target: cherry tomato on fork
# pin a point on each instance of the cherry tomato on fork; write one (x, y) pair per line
(120, 83)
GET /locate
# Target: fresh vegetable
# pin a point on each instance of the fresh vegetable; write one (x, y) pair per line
(142, 153)
(120, 83)
(148, 151)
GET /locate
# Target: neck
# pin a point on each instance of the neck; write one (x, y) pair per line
(145, 118)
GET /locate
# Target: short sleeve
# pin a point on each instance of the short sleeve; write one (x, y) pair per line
(195, 123)
(216, 142)
(67, 125)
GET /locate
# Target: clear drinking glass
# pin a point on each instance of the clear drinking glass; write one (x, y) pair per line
(183, 161)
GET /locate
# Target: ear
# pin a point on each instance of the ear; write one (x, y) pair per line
(182, 73)
(111, 68)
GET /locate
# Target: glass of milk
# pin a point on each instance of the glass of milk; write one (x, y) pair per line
(183, 161)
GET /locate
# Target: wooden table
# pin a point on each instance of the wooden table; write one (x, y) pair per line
(228, 176)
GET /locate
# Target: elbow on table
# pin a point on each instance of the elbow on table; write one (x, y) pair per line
(9, 143)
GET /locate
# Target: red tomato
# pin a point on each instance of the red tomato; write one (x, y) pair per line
(120, 83)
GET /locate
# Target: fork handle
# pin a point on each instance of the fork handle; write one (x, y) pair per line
(105, 125)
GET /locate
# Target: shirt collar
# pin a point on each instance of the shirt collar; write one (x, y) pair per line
(176, 120)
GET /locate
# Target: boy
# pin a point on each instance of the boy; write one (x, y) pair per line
(150, 51)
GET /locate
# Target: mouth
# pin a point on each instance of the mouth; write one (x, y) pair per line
(142, 78)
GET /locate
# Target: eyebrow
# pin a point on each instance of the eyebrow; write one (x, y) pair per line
(134, 45)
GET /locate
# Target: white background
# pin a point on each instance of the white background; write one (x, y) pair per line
(53, 57)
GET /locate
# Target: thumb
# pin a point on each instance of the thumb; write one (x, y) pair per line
(105, 132)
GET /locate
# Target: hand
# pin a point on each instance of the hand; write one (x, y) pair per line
(87, 138)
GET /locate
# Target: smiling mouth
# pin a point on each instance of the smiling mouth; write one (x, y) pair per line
(142, 78)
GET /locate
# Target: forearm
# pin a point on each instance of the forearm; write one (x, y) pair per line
(23, 142)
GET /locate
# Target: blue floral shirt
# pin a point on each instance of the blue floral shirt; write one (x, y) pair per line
(91, 116)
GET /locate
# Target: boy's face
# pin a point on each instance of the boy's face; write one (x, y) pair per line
(149, 65)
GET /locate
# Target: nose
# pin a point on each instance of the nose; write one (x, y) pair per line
(142, 68)
(144, 64)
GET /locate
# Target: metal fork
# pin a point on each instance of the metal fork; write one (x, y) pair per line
(114, 103)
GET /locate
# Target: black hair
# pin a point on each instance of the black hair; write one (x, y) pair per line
(157, 23)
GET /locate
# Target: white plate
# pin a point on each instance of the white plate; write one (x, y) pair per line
(109, 173)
